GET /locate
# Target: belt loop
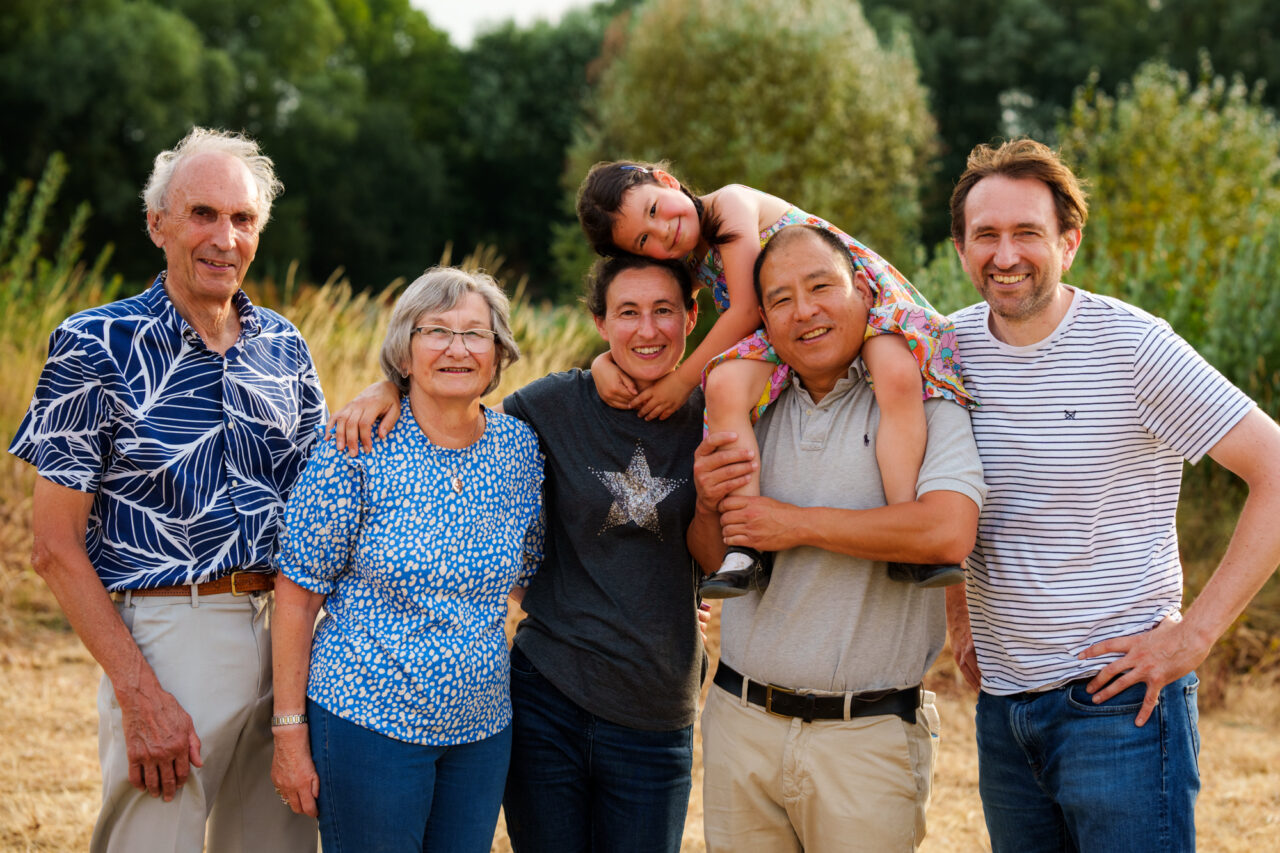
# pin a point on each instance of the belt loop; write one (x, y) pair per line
(848, 705)
(128, 598)
(742, 699)
(195, 595)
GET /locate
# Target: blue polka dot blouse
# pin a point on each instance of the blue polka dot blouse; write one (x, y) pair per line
(415, 547)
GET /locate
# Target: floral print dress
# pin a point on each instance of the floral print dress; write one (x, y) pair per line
(899, 309)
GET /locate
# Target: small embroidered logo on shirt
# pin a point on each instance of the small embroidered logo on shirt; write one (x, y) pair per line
(1070, 415)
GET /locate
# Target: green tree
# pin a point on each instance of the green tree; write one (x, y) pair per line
(1181, 171)
(1009, 67)
(109, 83)
(799, 99)
(527, 90)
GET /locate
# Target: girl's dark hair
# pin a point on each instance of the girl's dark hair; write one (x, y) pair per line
(600, 197)
(605, 270)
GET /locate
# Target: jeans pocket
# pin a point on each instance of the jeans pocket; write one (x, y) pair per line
(1190, 695)
(521, 665)
(1127, 701)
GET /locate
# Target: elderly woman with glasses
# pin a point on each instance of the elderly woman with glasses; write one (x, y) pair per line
(394, 722)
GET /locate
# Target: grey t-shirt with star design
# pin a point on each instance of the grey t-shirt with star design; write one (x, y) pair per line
(611, 614)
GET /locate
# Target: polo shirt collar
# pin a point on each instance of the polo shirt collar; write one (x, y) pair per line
(853, 377)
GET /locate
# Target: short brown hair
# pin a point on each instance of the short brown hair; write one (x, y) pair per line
(1022, 158)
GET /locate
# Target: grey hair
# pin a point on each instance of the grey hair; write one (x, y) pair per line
(435, 291)
(202, 140)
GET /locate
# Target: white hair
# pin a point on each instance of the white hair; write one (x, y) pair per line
(437, 290)
(202, 140)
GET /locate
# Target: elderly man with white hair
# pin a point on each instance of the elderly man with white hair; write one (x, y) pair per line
(167, 430)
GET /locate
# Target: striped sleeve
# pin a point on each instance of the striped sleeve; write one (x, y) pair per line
(1182, 399)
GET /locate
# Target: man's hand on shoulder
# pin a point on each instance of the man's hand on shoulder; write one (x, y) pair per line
(160, 739)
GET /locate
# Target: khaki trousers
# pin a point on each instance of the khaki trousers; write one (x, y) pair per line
(775, 784)
(214, 655)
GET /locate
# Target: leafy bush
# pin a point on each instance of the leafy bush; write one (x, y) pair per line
(1183, 178)
(798, 99)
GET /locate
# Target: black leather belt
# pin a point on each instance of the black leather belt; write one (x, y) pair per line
(785, 702)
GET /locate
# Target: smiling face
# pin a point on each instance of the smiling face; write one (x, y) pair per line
(208, 228)
(813, 310)
(1015, 255)
(645, 323)
(657, 220)
(453, 374)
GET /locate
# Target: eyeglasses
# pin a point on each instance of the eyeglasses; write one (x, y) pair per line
(441, 338)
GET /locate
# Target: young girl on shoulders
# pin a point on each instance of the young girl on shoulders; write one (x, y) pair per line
(909, 350)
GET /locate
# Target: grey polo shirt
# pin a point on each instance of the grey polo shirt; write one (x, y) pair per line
(831, 622)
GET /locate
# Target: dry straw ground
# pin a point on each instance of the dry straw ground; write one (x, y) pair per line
(48, 767)
(49, 782)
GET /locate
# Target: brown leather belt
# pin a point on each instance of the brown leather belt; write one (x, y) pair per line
(236, 583)
(785, 702)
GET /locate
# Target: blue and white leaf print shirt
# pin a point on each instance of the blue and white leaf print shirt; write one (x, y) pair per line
(415, 547)
(190, 454)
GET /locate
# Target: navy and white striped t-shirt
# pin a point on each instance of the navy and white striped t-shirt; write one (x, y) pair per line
(1082, 438)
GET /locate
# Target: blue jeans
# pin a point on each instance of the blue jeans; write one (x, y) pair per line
(1059, 773)
(382, 794)
(581, 783)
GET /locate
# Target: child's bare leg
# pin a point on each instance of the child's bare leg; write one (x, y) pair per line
(901, 439)
(903, 432)
(733, 389)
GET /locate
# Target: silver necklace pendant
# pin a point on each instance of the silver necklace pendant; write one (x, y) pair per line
(457, 483)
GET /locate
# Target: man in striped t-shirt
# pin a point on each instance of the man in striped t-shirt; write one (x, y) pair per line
(1073, 629)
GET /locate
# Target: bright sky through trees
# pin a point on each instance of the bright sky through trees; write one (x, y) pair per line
(460, 18)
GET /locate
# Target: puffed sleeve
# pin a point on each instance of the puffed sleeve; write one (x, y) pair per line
(321, 520)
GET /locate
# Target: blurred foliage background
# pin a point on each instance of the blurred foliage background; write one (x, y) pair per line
(399, 149)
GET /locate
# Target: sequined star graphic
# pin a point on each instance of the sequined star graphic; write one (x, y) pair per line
(636, 493)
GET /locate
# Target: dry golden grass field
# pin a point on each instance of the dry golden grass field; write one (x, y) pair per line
(49, 785)
(49, 775)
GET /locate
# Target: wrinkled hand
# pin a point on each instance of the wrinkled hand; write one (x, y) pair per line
(292, 770)
(661, 399)
(1156, 658)
(960, 633)
(718, 469)
(614, 387)
(758, 522)
(161, 743)
(352, 425)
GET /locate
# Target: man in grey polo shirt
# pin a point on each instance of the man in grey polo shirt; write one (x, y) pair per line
(817, 735)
